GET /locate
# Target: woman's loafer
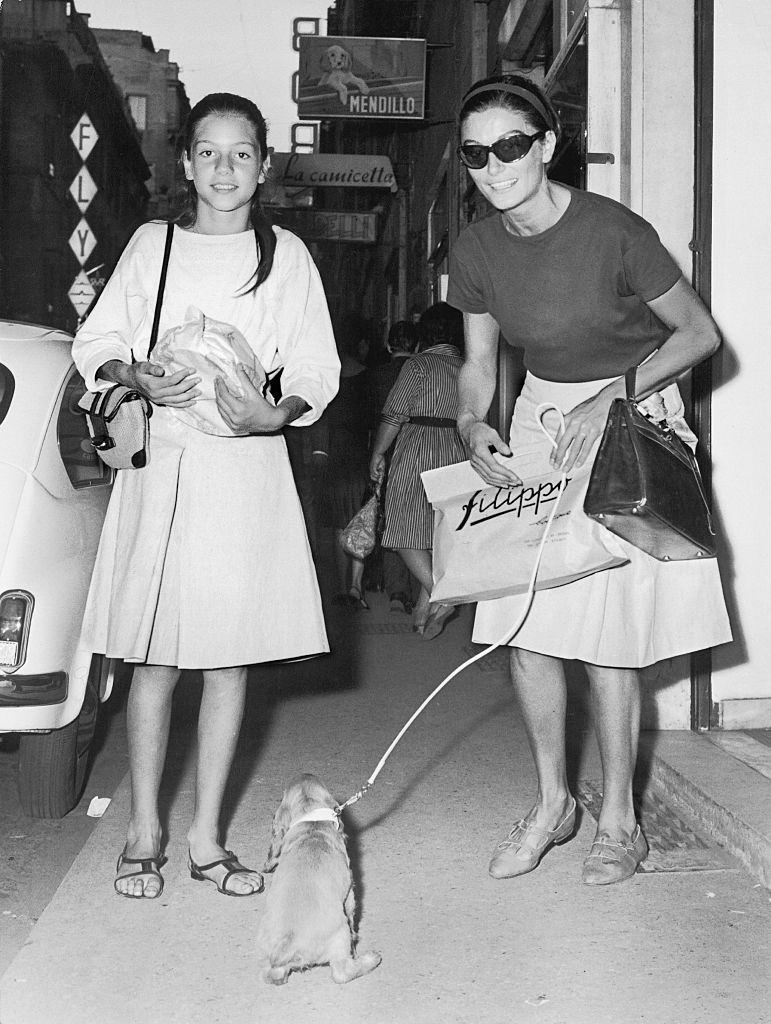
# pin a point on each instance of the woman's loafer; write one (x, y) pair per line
(523, 848)
(612, 860)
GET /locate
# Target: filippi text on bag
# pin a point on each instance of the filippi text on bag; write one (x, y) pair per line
(486, 539)
(487, 503)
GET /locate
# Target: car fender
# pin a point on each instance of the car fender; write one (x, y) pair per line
(49, 528)
(39, 367)
(54, 565)
(12, 483)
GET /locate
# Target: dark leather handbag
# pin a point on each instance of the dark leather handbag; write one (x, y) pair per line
(645, 485)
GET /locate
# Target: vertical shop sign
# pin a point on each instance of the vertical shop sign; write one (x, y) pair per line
(84, 137)
(83, 189)
(82, 240)
(81, 294)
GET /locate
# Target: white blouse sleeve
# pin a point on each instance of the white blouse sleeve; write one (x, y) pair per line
(306, 345)
(110, 329)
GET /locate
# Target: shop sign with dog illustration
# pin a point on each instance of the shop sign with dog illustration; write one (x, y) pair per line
(362, 77)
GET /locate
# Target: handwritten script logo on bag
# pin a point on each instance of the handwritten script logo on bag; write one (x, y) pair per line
(489, 503)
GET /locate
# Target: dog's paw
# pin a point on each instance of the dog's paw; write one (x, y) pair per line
(350, 968)
(277, 975)
(371, 959)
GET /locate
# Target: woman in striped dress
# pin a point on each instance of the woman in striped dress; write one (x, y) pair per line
(419, 416)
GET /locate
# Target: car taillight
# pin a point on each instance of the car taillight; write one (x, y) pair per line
(15, 615)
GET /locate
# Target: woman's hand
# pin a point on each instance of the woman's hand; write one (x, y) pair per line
(377, 468)
(479, 438)
(387, 432)
(149, 379)
(584, 425)
(248, 412)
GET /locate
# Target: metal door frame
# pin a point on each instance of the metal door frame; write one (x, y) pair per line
(703, 709)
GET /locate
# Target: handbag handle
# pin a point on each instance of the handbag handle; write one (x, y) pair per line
(161, 288)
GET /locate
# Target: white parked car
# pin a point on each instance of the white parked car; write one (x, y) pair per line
(54, 493)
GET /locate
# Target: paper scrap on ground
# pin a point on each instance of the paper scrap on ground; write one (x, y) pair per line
(537, 1000)
(98, 806)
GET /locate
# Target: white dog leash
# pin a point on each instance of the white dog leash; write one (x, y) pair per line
(509, 635)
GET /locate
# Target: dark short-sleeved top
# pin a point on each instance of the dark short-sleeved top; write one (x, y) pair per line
(572, 297)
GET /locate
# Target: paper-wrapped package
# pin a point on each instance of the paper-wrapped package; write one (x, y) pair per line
(487, 539)
(213, 349)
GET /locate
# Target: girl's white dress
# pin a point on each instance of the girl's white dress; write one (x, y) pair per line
(204, 560)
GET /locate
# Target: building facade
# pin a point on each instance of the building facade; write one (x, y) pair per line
(52, 76)
(159, 106)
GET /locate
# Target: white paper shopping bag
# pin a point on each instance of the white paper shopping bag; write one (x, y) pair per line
(486, 539)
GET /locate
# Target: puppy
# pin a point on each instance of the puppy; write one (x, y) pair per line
(336, 63)
(310, 903)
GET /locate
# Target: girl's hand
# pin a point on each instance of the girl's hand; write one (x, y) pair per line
(249, 412)
(479, 438)
(177, 389)
(584, 425)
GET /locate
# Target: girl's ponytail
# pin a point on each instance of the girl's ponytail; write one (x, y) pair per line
(266, 242)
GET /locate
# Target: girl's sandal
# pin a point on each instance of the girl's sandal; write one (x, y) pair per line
(232, 867)
(148, 866)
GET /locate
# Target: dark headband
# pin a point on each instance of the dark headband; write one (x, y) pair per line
(515, 90)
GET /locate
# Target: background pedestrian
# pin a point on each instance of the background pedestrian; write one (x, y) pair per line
(419, 421)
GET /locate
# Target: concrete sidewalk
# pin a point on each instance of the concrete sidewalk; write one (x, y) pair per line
(684, 942)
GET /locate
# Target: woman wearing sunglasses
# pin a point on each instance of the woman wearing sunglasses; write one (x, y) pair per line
(586, 289)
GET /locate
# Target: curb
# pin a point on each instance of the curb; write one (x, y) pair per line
(742, 840)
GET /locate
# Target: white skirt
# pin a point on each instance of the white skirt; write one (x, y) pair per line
(204, 560)
(626, 617)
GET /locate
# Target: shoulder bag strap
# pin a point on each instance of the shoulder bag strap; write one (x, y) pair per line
(631, 383)
(161, 287)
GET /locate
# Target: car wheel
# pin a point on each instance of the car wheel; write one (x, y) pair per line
(52, 766)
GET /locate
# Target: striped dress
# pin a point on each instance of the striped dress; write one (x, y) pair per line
(426, 386)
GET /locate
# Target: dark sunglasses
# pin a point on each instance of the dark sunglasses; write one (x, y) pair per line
(513, 147)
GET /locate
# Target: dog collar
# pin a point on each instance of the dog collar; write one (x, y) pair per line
(320, 814)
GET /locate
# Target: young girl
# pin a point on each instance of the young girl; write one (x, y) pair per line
(204, 561)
